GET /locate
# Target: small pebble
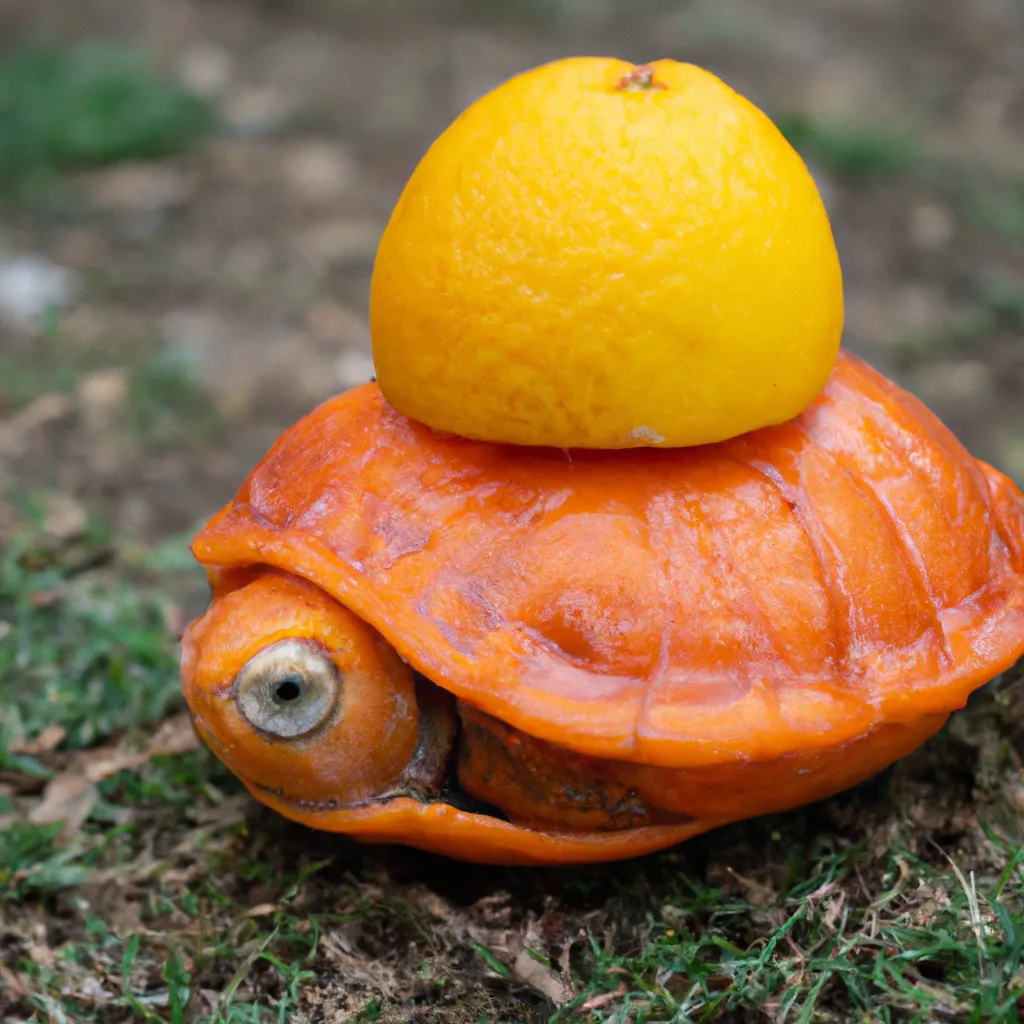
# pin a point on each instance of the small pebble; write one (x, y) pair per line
(205, 68)
(318, 171)
(104, 388)
(257, 111)
(140, 188)
(64, 518)
(339, 242)
(931, 226)
(100, 394)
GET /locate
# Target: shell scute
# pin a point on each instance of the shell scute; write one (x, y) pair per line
(745, 599)
(935, 500)
(790, 589)
(884, 598)
(604, 613)
(1007, 516)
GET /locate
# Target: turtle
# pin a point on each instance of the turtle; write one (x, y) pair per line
(543, 656)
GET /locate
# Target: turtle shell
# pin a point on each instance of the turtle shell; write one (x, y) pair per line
(788, 590)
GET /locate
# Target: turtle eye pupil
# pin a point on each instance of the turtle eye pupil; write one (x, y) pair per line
(287, 690)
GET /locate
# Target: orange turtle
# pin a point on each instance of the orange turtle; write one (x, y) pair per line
(528, 655)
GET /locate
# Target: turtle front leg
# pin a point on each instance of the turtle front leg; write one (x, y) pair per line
(539, 785)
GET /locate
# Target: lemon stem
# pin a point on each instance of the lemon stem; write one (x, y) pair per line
(639, 79)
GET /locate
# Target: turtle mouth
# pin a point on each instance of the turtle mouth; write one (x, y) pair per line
(429, 808)
(430, 777)
(451, 794)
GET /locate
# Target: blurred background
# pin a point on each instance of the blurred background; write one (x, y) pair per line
(191, 194)
(193, 191)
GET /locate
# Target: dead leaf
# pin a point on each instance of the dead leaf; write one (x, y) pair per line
(542, 979)
(756, 893)
(90, 989)
(261, 910)
(64, 517)
(833, 911)
(45, 409)
(495, 909)
(12, 984)
(175, 736)
(603, 1000)
(21, 783)
(49, 739)
(112, 899)
(42, 954)
(68, 798)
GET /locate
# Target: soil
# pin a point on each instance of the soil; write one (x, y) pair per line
(248, 264)
(252, 258)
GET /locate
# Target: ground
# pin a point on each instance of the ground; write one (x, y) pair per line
(207, 284)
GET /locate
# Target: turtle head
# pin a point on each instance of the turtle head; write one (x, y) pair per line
(300, 698)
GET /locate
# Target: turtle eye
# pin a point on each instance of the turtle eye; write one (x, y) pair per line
(289, 689)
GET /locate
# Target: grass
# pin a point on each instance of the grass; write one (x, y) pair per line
(165, 402)
(176, 886)
(84, 650)
(849, 149)
(996, 306)
(91, 659)
(87, 106)
(999, 209)
(929, 945)
(167, 895)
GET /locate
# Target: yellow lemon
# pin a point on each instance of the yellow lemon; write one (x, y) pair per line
(604, 255)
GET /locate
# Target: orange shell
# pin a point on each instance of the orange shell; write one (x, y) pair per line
(787, 590)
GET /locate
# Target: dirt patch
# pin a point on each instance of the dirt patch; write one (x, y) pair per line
(217, 295)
